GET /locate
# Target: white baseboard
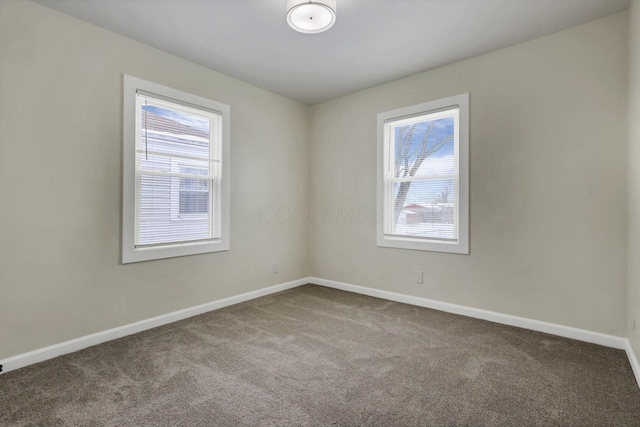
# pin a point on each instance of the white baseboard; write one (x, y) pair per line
(492, 316)
(505, 319)
(633, 360)
(55, 350)
(45, 353)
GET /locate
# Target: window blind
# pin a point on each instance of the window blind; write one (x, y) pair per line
(421, 176)
(178, 172)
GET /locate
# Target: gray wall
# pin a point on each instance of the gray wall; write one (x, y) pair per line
(60, 183)
(548, 191)
(633, 163)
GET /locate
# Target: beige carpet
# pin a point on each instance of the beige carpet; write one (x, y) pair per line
(318, 356)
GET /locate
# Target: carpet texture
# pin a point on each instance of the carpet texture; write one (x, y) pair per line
(314, 356)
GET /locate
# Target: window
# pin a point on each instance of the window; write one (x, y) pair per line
(423, 169)
(175, 173)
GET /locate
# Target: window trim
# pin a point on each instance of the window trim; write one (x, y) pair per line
(131, 253)
(461, 246)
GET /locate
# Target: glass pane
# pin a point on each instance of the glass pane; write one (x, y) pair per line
(174, 132)
(425, 209)
(424, 148)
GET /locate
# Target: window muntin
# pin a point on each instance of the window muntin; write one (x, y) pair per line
(176, 180)
(423, 176)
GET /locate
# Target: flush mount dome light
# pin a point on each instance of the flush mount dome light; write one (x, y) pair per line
(311, 16)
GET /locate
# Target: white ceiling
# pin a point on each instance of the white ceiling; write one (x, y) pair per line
(372, 42)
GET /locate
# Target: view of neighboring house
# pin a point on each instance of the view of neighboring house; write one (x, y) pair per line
(428, 212)
(433, 220)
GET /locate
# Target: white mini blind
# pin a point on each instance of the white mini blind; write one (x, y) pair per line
(421, 177)
(178, 171)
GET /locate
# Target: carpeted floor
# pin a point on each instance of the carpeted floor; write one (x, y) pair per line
(323, 357)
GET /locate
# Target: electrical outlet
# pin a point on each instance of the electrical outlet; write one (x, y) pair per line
(274, 268)
(418, 276)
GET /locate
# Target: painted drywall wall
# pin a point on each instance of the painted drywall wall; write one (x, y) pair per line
(547, 182)
(633, 164)
(60, 184)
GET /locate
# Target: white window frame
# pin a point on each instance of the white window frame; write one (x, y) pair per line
(384, 197)
(131, 253)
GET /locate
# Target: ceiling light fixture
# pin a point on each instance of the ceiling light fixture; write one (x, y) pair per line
(311, 16)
